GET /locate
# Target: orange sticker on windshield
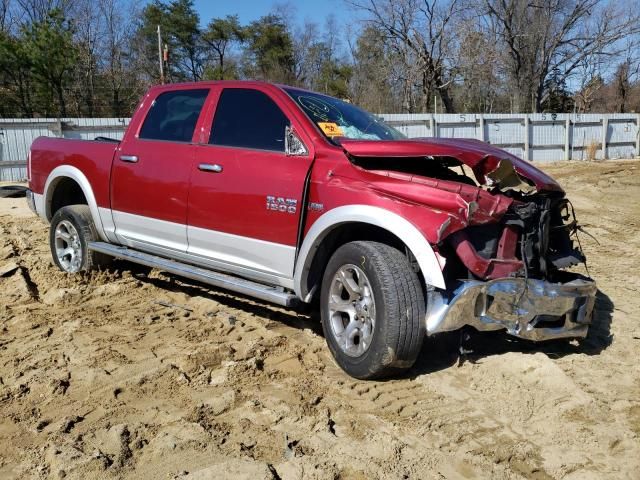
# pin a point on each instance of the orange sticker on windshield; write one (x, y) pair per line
(330, 129)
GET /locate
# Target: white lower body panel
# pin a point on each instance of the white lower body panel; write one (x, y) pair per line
(268, 257)
(259, 260)
(38, 203)
(133, 229)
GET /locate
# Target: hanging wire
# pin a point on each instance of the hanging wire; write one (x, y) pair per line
(578, 228)
(526, 271)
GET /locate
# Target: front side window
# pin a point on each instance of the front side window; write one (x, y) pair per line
(248, 118)
(173, 115)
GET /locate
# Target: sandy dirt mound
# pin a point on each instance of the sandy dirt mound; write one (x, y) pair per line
(131, 373)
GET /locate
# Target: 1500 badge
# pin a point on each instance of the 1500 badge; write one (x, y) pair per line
(281, 204)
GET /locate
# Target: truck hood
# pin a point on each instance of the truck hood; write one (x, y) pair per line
(490, 165)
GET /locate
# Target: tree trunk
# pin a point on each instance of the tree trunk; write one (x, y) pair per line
(426, 91)
(447, 101)
(445, 96)
(407, 104)
(115, 103)
(62, 106)
(25, 98)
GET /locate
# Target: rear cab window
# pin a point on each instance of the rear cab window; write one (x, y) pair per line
(248, 118)
(173, 115)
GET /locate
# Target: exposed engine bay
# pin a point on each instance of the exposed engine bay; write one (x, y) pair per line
(507, 241)
(536, 237)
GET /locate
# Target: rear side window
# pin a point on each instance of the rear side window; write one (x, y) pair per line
(248, 119)
(173, 115)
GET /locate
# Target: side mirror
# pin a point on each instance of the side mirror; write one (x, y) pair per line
(293, 146)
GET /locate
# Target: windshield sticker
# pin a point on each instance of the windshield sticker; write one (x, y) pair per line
(331, 129)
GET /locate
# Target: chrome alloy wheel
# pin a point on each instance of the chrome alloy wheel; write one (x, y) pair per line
(352, 310)
(68, 246)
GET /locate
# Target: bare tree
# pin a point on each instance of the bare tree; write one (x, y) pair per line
(426, 28)
(307, 55)
(5, 15)
(88, 23)
(480, 84)
(119, 74)
(33, 11)
(591, 84)
(541, 37)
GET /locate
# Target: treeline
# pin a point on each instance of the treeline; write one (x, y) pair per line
(96, 57)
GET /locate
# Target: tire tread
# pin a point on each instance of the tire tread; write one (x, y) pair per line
(404, 304)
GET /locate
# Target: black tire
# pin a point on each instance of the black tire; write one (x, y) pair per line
(398, 304)
(13, 191)
(79, 216)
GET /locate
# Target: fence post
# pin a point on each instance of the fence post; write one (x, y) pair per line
(605, 128)
(567, 132)
(481, 123)
(434, 126)
(527, 140)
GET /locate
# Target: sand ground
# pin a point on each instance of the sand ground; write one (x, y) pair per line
(131, 373)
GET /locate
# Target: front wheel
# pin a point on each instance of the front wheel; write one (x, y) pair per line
(373, 310)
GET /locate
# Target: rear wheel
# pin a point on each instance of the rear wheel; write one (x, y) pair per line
(373, 309)
(72, 229)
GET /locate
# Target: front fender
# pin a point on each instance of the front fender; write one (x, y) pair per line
(380, 217)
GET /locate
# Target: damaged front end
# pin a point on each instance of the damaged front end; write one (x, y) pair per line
(530, 308)
(507, 243)
(516, 277)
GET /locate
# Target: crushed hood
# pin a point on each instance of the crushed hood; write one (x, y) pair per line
(491, 165)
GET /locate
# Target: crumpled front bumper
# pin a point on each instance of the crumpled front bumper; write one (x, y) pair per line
(531, 309)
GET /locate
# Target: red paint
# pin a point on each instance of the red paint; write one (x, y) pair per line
(480, 156)
(482, 267)
(166, 183)
(156, 186)
(508, 243)
(234, 201)
(93, 159)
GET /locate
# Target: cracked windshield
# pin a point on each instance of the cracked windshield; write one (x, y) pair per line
(337, 118)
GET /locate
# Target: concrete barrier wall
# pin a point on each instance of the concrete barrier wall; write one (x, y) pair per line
(540, 137)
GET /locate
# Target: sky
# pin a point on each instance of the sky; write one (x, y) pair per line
(249, 10)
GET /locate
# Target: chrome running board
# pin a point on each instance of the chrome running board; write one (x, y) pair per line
(228, 282)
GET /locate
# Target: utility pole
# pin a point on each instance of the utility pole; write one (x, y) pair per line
(160, 56)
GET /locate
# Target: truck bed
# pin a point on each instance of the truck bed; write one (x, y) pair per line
(92, 157)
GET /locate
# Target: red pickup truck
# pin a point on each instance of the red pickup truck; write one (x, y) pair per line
(290, 196)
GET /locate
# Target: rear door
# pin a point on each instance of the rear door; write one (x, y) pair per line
(246, 193)
(150, 174)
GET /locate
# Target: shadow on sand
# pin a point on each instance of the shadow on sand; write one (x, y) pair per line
(301, 318)
(444, 350)
(439, 352)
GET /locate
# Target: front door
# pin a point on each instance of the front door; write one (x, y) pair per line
(246, 193)
(150, 174)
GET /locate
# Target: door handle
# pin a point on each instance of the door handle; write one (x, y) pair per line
(129, 158)
(207, 167)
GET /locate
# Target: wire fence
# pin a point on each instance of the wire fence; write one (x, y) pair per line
(535, 137)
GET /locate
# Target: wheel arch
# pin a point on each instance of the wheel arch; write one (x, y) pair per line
(325, 236)
(60, 178)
